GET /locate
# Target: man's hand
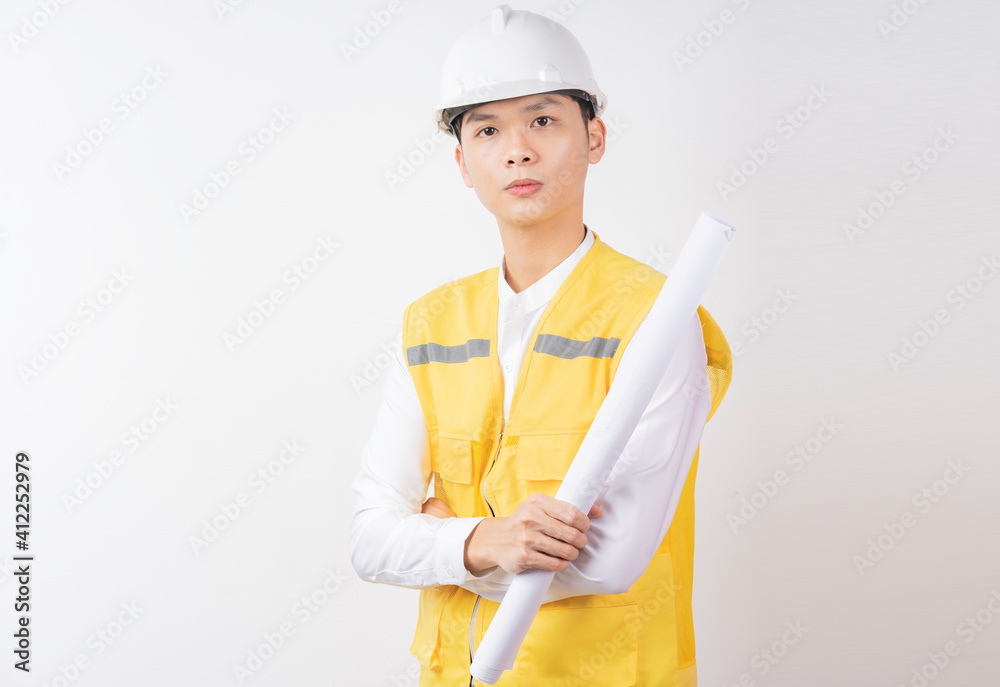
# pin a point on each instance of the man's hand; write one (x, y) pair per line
(543, 532)
(437, 508)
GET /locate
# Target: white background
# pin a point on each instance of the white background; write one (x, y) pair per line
(312, 372)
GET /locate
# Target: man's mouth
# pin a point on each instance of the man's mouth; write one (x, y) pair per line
(524, 187)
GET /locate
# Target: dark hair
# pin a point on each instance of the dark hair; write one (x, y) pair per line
(586, 111)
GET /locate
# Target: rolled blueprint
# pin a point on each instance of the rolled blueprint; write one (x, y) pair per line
(642, 366)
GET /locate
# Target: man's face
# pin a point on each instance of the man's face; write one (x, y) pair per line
(540, 137)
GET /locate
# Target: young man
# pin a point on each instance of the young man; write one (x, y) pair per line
(497, 379)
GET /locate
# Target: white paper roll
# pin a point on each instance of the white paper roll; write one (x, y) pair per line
(643, 364)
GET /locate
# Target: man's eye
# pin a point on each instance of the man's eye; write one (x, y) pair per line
(489, 128)
(543, 117)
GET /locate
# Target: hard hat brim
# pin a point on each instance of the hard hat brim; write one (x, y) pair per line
(445, 116)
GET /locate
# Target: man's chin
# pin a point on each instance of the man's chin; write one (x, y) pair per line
(527, 219)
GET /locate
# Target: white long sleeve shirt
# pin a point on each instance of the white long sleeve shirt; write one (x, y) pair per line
(392, 542)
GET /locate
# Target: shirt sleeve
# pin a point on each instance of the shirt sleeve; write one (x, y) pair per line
(390, 540)
(642, 491)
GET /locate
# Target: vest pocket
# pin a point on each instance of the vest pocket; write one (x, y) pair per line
(531, 464)
(426, 645)
(546, 457)
(453, 461)
(542, 462)
(596, 647)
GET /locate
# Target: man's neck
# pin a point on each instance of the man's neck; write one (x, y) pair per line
(531, 253)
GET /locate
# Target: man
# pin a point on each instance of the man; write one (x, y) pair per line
(498, 377)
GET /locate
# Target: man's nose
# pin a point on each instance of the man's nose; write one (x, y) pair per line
(520, 151)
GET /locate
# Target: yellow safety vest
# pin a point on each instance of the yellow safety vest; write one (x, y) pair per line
(641, 637)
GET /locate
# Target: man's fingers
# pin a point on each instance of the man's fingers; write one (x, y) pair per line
(555, 531)
(544, 561)
(570, 536)
(565, 512)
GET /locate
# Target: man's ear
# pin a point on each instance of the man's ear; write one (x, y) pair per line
(597, 132)
(460, 159)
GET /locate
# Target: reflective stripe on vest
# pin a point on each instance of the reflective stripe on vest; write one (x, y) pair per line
(436, 353)
(595, 347)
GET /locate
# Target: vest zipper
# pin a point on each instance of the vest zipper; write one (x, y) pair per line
(475, 609)
(486, 474)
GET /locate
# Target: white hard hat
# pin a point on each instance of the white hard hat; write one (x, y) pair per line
(509, 54)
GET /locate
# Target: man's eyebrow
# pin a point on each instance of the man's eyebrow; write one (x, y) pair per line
(541, 104)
